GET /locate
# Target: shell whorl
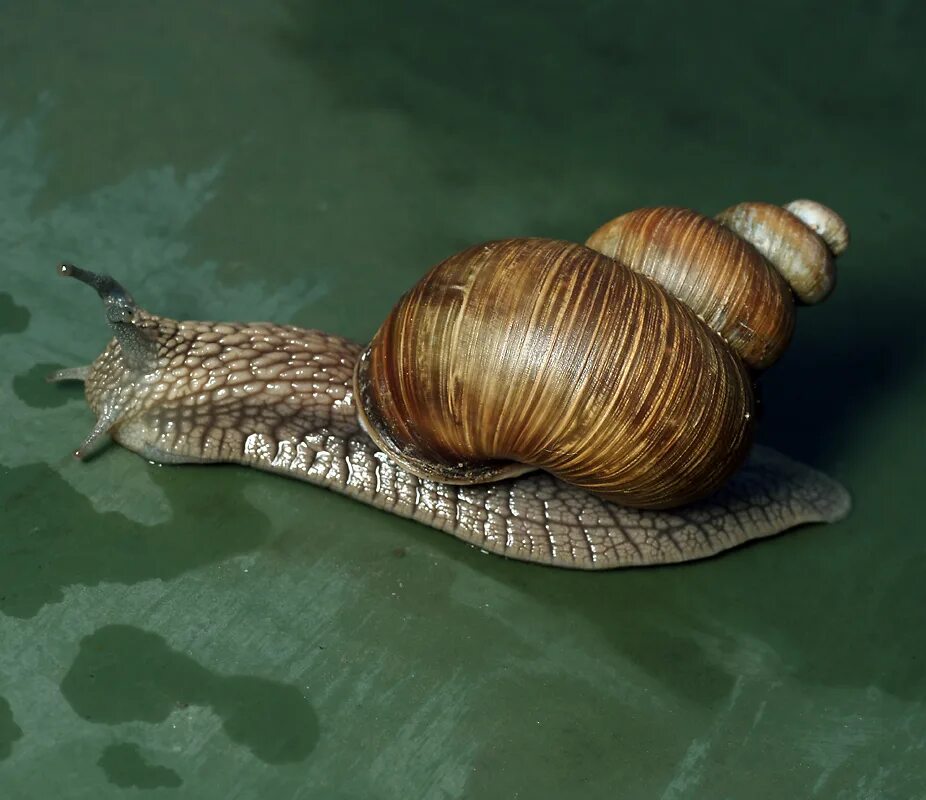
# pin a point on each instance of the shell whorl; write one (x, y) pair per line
(823, 221)
(534, 353)
(717, 274)
(800, 240)
(735, 271)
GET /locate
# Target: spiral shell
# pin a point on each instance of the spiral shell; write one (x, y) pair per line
(533, 353)
(713, 271)
(795, 239)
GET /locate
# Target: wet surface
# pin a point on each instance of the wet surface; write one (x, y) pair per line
(10, 732)
(13, 318)
(43, 551)
(33, 388)
(123, 673)
(125, 767)
(212, 631)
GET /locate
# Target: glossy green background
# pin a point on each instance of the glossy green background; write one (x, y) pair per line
(215, 632)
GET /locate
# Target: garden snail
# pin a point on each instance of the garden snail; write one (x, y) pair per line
(622, 369)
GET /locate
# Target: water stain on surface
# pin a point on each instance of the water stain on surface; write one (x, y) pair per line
(10, 732)
(43, 551)
(124, 674)
(13, 318)
(33, 388)
(126, 767)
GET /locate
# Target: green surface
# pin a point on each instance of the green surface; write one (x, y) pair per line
(215, 632)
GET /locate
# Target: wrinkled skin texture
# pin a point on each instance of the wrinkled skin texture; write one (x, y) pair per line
(279, 398)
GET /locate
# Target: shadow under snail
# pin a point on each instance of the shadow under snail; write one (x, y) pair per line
(580, 406)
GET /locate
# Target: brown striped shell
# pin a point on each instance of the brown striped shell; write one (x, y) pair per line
(533, 353)
(619, 367)
(714, 272)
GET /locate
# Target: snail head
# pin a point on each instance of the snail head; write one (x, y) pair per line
(118, 383)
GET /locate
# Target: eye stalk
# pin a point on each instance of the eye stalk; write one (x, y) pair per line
(139, 349)
(108, 288)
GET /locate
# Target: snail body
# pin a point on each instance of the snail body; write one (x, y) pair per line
(512, 356)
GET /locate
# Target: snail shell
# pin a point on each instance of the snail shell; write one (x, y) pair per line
(621, 371)
(544, 354)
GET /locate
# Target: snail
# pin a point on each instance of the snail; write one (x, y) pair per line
(587, 406)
